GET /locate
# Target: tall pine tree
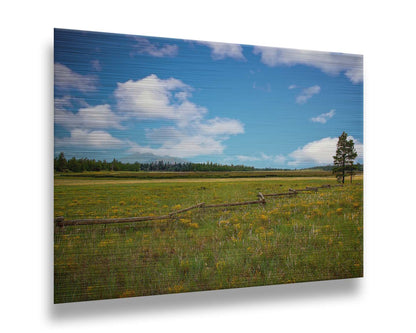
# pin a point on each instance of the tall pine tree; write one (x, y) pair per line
(344, 158)
(61, 163)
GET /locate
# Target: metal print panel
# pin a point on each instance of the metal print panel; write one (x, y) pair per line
(187, 165)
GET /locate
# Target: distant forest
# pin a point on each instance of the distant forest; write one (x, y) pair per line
(61, 164)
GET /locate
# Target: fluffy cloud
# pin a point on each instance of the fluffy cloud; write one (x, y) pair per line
(67, 79)
(277, 159)
(223, 50)
(154, 98)
(190, 135)
(323, 117)
(144, 46)
(292, 86)
(220, 126)
(87, 124)
(307, 94)
(163, 134)
(198, 138)
(320, 152)
(330, 63)
(186, 145)
(89, 117)
(68, 101)
(90, 139)
(247, 158)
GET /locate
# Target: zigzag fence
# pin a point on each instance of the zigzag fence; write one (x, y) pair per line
(61, 222)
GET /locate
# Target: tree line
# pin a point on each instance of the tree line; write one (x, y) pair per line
(61, 164)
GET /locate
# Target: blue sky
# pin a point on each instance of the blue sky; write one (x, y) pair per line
(133, 97)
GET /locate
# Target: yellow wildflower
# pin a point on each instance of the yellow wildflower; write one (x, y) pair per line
(220, 265)
(127, 293)
(263, 217)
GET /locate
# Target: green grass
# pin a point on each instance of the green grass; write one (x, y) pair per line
(193, 174)
(313, 236)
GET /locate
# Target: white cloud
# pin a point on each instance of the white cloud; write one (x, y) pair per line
(154, 98)
(320, 152)
(292, 86)
(66, 79)
(277, 159)
(330, 63)
(182, 95)
(307, 94)
(90, 139)
(163, 134)
(198, 138)
(247, 158)
(359, 147)
(220, 126)
(223, 50)
(323, 117)
(88, 117)
(265, 156)
(144, 46)
(99, 116)
(183, 146)
(355, 73)
(87, 124)
(68, 101)
(191, 135)
(267, 87)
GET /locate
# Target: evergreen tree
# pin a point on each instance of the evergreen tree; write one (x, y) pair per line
(74, 165)
(61, 163)
(344, 158)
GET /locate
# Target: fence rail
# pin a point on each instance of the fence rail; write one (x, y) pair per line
(61, 222)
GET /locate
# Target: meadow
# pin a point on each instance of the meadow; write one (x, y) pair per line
(191, 174)
(310, 236)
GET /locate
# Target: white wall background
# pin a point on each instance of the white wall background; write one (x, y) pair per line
(383, 32)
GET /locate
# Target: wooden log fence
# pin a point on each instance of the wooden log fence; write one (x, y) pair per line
(301, 190)
(234, 204)
(280, 194)
(61, 222)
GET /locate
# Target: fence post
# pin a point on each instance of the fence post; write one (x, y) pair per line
(262, 198)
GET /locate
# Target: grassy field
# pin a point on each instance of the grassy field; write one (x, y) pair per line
(192, 174)
(313, 236)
